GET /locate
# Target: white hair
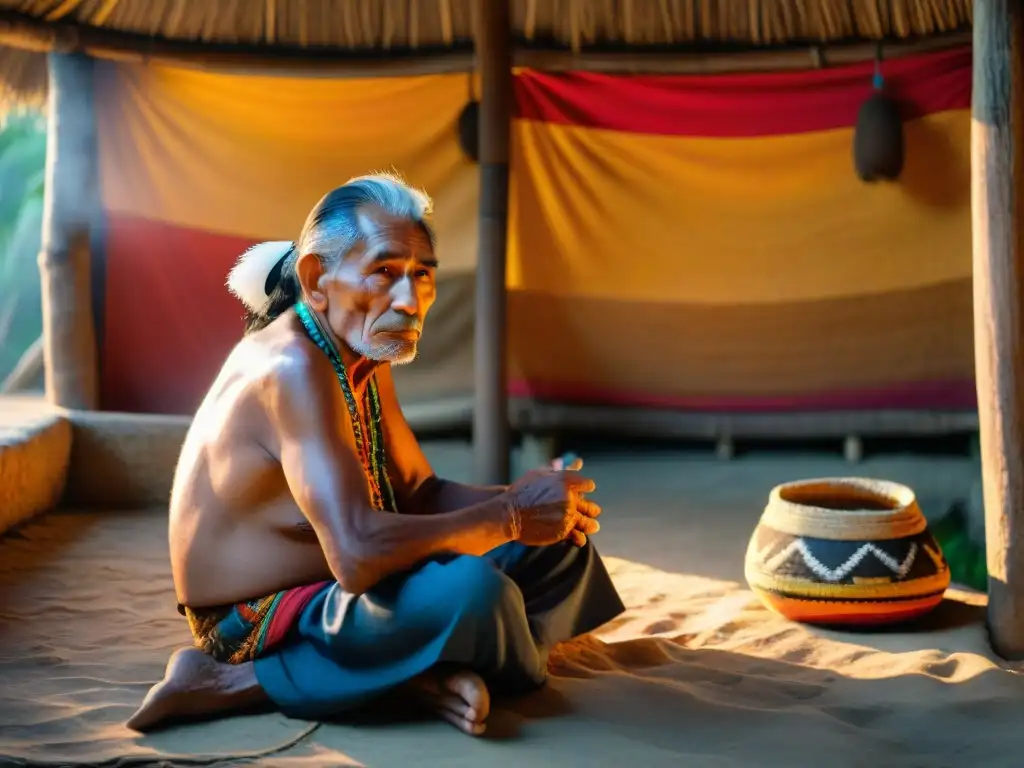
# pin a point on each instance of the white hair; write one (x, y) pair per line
(332, 227)
(264, 276)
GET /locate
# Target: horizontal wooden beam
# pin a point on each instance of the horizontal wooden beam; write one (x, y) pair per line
(685, 62)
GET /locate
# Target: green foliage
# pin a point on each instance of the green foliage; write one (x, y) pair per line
(22, 180)
(966, 558)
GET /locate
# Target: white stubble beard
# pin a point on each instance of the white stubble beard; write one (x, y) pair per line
(395, 353)
(401, 355)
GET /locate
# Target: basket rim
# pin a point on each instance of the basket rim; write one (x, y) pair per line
(901, 518)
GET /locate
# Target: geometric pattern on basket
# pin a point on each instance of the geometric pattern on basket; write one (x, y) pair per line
(845, 562)
(798, 546)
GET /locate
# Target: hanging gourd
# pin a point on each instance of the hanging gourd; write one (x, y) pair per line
(468, 123)
(878, 136)
(469, 130)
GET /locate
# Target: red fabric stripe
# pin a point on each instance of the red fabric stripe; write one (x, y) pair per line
(169, 321)
(828, 619)
(736, 105)
(938, 395)
(287, 612)
(873, 619)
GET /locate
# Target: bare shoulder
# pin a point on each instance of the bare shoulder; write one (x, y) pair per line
(294, 382)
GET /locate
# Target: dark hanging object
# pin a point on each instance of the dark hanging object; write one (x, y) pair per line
(469, 130)
(878, 137)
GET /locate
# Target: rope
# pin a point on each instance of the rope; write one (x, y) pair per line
(166, 759)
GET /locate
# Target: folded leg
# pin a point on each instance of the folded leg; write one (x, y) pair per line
(566, 589)
(496, 615)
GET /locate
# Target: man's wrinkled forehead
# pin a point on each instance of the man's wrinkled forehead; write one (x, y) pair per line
(396, 235)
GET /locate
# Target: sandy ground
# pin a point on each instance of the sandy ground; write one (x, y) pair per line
(695, 673)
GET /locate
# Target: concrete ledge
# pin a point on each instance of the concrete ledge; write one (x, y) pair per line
(100, 460)
(122, 460)
(35, 451)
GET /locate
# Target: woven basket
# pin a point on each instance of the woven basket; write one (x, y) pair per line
(845, 551)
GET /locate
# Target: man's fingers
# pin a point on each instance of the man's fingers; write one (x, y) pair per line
(578, 538)
(578, 482)
(587, 507)
(588, 526)
(569, 462)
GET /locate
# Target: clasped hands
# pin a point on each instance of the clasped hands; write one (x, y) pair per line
(548, 505)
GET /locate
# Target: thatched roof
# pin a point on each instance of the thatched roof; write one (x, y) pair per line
(320, 29)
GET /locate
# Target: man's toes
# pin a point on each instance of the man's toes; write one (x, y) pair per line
(471, 688)
(138, 721)
(152, 710)
(471, 727)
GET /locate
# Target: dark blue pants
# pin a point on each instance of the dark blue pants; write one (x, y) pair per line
(498, 615)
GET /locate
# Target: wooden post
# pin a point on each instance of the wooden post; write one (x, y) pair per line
(69, 213)
(997, 190)
(490, 413)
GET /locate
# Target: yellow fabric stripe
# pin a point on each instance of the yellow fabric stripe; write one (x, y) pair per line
(598, 213)
(822, 590)
(249, 156)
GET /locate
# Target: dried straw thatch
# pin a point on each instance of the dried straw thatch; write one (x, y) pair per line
(22, 78)
(433, 26)
(574, 23)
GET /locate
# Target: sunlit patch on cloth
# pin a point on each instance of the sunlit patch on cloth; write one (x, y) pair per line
(245, 631)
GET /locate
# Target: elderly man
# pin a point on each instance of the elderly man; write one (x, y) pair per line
(319, 560)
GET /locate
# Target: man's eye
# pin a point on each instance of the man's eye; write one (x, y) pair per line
(423, 273)
(385, 271)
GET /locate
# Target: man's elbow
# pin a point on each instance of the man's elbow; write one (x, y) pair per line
(424, 498)
(354, 574)
(354, 583)
(359, 555)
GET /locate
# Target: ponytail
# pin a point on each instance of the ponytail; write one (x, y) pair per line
(282, 297)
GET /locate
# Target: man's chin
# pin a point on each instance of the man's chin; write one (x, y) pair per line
(397, 354)
(403, 359)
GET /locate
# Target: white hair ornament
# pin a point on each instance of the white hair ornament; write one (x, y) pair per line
(256, 273)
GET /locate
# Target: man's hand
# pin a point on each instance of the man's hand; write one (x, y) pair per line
(588, 511)
(548, 507)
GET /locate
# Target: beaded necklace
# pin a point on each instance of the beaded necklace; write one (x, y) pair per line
(371, 451)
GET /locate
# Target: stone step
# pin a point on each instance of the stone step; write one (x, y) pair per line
(35, 453)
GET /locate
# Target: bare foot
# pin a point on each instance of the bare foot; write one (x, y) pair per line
(460, 698)
(194, 685)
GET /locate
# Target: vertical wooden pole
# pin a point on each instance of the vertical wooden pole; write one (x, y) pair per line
(997, 191)
(490, 414)
(69, 206)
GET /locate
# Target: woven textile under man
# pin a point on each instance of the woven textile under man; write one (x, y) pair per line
(320, 562)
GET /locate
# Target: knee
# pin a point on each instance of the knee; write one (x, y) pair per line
(478, 588)
(554, 558)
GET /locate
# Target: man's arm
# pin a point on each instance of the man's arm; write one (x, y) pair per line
(418, 490)
(361, 545)
(440, 495)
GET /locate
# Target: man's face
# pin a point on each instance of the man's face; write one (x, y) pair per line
(379, 294)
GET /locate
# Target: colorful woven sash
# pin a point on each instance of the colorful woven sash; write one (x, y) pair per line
(245, 631)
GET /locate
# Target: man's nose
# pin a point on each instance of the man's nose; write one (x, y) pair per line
(404, 298)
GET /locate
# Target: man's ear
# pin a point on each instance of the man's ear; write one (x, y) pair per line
(309, 270)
